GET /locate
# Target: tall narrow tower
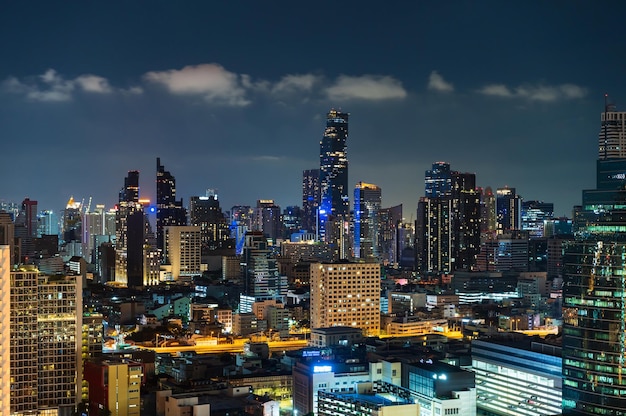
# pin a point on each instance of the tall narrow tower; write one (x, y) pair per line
(367, 204)
(334, 200)
(169, 210)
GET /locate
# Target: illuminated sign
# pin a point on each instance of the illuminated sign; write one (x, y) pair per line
(322, 369)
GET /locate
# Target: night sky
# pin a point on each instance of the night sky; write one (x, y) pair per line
(232, 95)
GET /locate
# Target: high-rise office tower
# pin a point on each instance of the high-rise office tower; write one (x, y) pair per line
(594, 328)
(205, 212)
(367, 204)
(438, 180)
(24, 338)
(346, 294)
(448, 222)
(241, 217)
(267, 219)
(334, 199)
(612, 137)
(72, 221)
(488, 223)
(29, 211)
(390, 222)
(182, 250)
(310, 199)
(535, 214)
(130, 234)
(291, 221)
(59, 325)
(169, 210)
(508, 210)
(259, 269)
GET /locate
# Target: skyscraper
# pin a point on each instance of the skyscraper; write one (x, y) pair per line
(169, 210)
(508, 209)
(310, 199)
(367, 203)
(130, 234)
(594, 306)
(266, 218)
(334, 199)
(448, 221)
(438, 180)
(259, 269)
(206, 213)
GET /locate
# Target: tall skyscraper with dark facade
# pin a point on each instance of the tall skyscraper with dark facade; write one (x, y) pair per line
(334, 199)
(129, 234)
(310, 199)
(391, 234)
(169, 210)
(367, 204)
(206, 213)
(448, 221)
(508, 210)
(594, 288)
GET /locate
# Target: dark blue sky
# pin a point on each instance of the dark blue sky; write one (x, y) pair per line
(232, 95)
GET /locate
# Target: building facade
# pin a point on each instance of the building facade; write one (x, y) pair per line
(346, 294)
(367, 205)
(334, 199)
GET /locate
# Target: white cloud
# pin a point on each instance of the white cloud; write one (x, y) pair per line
(545, 93)
(52, 87)
(295, 83)
(366, 87)
(212, 81)
(437, 83)
(94, 83)
(498, 90)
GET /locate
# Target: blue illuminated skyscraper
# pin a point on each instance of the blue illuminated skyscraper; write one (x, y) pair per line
(367, 203)
(333, 170)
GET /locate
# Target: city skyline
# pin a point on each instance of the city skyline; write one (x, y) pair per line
(233, 97)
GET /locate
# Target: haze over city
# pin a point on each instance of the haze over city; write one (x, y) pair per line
(233, 96)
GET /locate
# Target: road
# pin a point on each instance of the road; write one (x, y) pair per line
(236, 346)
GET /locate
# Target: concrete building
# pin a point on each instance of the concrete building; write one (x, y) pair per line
(517, 375)
(182, 250)
(114, 385)
(346, 294)
(336, 335)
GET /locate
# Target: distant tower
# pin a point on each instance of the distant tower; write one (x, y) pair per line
(130, 234)
(206, 213)
(438, 180)
(612, 137)
(447, 229)
(508, 210)
(333, 170)
(488, 211)
(259, 268)
(29, 210)
(169, 211)
(267, 219)
(367, 204)
(310, 199)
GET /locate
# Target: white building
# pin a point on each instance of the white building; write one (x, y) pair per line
(183, 250)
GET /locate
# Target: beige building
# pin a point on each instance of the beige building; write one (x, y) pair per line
(5, 328)
(183, 250)
(346, 294)
(114, 385)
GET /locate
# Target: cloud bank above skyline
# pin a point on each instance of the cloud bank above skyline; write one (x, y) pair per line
(238, 102)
